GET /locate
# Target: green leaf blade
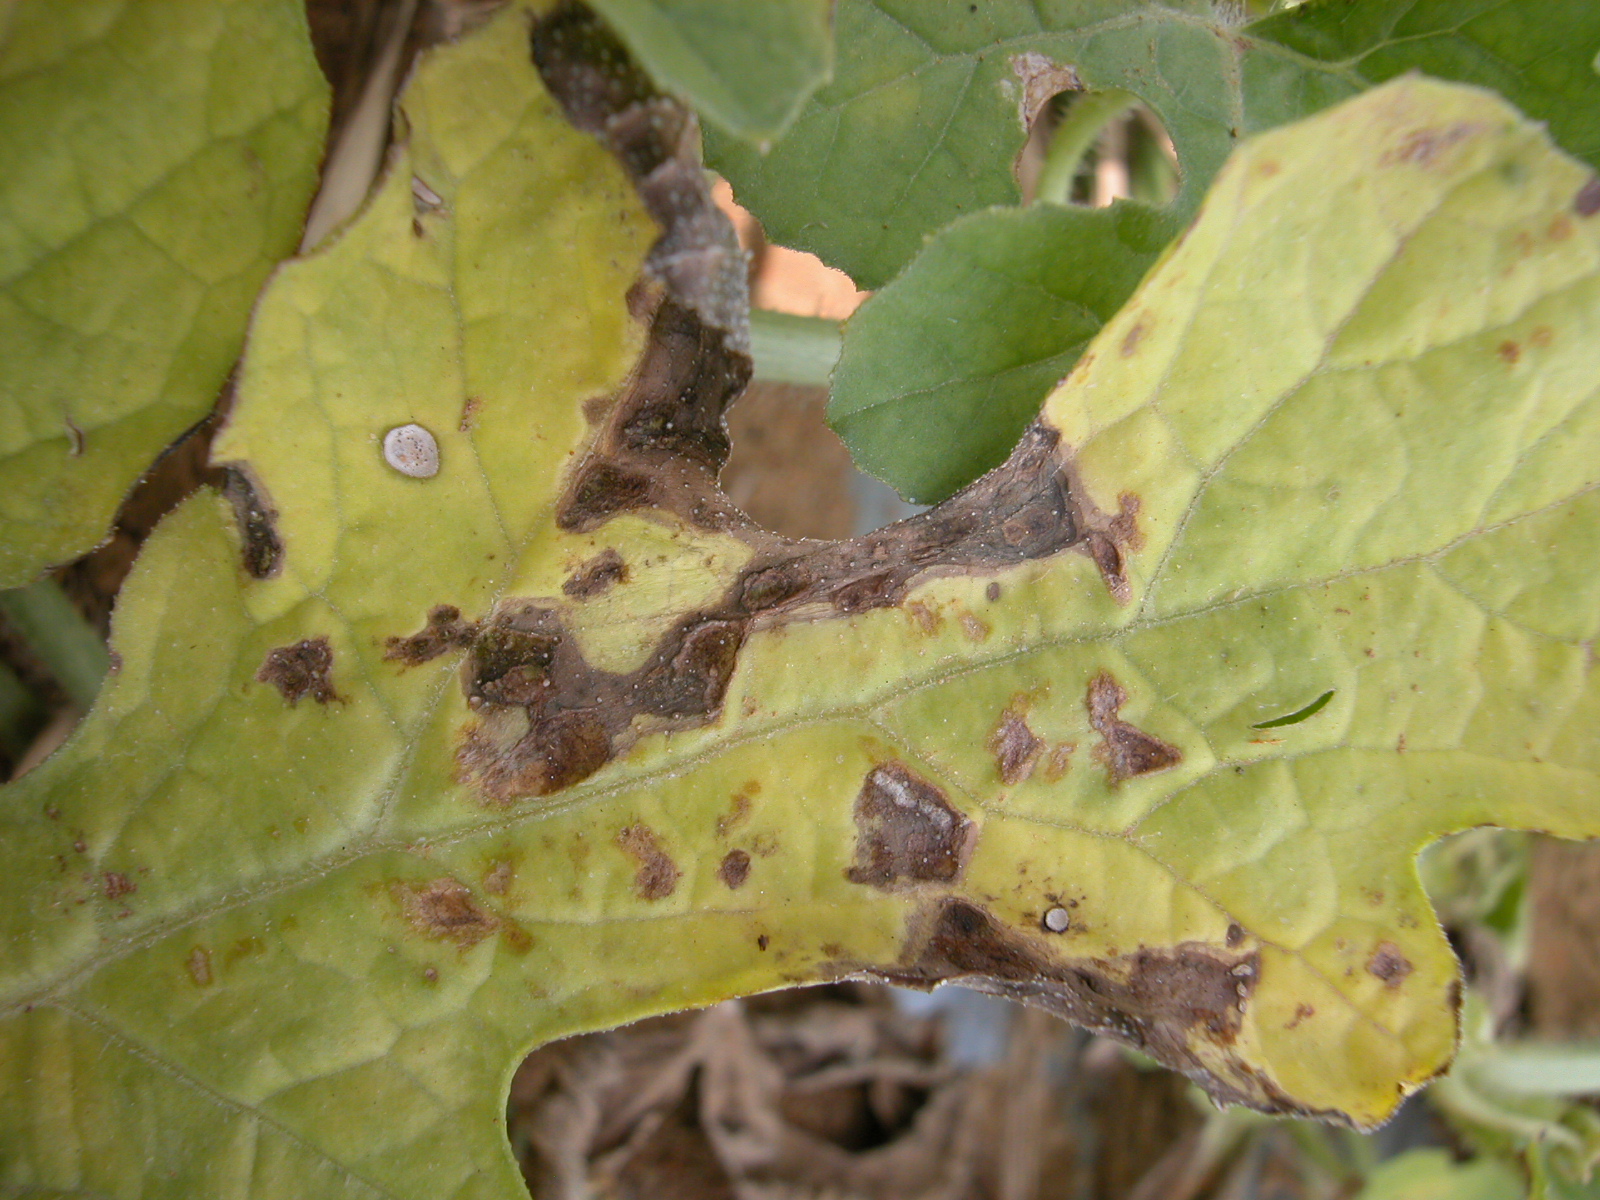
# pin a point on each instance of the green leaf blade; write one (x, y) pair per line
(703, 50)
(157, 162)
(931, 392)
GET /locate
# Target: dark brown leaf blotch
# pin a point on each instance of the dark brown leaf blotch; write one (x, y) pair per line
(1013, 744)
(597, 575)
(1126, 750)
(907, 831)
(303, 669)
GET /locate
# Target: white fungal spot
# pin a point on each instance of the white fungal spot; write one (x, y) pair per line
(411, 450)
(1057, 919)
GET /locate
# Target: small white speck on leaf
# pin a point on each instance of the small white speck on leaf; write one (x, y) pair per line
(411, 450)
(1057, 919)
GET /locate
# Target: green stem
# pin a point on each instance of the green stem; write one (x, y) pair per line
(53, 629)
(1079, 129)
(791, 349)
(1534, 1069)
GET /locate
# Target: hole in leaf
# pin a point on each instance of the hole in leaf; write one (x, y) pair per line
(1096, 147)
(787, 470)
(841, 1090)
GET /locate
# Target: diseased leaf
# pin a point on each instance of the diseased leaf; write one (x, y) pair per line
(930, 108)
(156, 159)
(554, 739)
(747, 67)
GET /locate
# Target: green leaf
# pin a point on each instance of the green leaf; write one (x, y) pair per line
(927, 395)
(1435, 1175)
(156, 159)
(1541, 57)
(746, 67)
(924, 120)
(930, 103)
(553, 739)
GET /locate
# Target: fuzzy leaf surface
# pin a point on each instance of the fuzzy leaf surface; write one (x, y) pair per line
(286, 911)
(156, 160)
(1208, 82)
(703, 50)
(930, 103)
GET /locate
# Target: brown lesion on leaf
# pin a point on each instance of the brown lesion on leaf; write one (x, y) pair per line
(657, 875)
(1125, 750)
(597, 575)
(907, 831)
(1183, 1005)
(1421, 147)
(1389, 965)
(299, 670)
(445, 631)
(1108, 539)
(1041, 79)
(1015, 747)
(262, 549)
(116, 885)
(446, 910)
(545, 717)
(734, 869)
(1587, 202)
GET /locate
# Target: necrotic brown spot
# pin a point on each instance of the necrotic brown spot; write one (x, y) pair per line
(735, 868)
(1389, 965)
(1162, 1001)
(657, 876)
(303, 669)
(597, 575)
(262, 549)
(992, 593)
(117, 885)
(1235, 934)
(444, 909)
(907, 831)
(1126, 750)
(1587, 202)
(1013, 744)
(444, 631)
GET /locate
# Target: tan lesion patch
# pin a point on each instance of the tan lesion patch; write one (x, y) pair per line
(907, 831)
(446, 910)
(1015, 747)
(657, 875)
(1125, 750)
(1042, 78)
